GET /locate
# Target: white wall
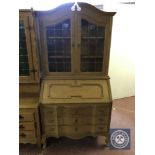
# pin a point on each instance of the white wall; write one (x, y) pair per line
(121, 68)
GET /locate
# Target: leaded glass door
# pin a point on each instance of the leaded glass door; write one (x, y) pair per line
(58, 42)
(57, 35)
(91, 44)
(25, 53)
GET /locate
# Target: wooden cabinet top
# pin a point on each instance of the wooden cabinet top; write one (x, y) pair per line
(74, 41)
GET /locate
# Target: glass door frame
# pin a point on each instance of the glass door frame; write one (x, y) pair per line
(51, 18)
(99, 21)
(31, 77)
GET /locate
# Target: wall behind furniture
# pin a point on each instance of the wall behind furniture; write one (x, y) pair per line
(121, 67)
(122, 53)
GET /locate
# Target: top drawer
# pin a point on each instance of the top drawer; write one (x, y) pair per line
(75, 110)
(102, 110)
(26, 115)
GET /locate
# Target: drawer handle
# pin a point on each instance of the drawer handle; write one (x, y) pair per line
(100, 128)
(76, 96)
(21, 126)
(22, 135)
(101, 110)
(52, 129)
(100, 119)
(50, 112)
(21, 117)
(51, 121)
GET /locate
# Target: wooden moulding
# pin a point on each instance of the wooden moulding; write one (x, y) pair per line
(29, 88)
(75, 91)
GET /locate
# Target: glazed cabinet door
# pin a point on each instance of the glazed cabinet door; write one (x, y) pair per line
(28, 69)
(93, 41)
(57, 41)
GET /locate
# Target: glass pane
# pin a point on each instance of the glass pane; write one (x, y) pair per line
(59, 47)
(92, 46)
(23, 55)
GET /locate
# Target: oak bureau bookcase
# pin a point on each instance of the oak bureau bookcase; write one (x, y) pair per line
(75, 98)
(29, 126)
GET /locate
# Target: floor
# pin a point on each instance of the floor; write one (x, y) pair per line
(123, 116)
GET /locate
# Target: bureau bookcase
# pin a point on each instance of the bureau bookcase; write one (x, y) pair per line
(75, 98)
(63, 66)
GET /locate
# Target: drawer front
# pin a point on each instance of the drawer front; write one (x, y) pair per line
(100, 129)
(26, 126)
(23, 117)
(101, 120)
(50, 120)
(75, 120)
(75, 130)
(27, 135)
(75, 110)
(102, 110)
(50, 112)
(51, 130)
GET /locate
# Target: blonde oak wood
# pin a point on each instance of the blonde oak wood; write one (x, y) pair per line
(75, 91)
(26, 126)
(33, 60)
(100, 18)
(29, 121)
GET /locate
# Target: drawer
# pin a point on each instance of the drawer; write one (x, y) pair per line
(23, 117)
(102, 110)
(50, 112)
(101, 129)
(51, 130)
(73, 110)
(75, 120)
(75, 130)
(50, 120)
(26, 126)
(27, 135)
(101, 120)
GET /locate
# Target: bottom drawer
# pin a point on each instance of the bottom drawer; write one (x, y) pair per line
(100, 129)
(75, 129)
(27, 135)
(51, 130)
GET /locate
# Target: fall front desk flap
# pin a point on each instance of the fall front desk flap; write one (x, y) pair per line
(75, 91)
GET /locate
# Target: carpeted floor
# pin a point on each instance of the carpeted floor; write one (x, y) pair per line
(123, 116)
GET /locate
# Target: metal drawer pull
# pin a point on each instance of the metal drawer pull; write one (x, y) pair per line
(76, 96)
(21, 126)
(101, 110)
(52, 129)
(22, 135)
(100, 128)
(100, 119)
(50, 112)
(51, 121)
(21, 117)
